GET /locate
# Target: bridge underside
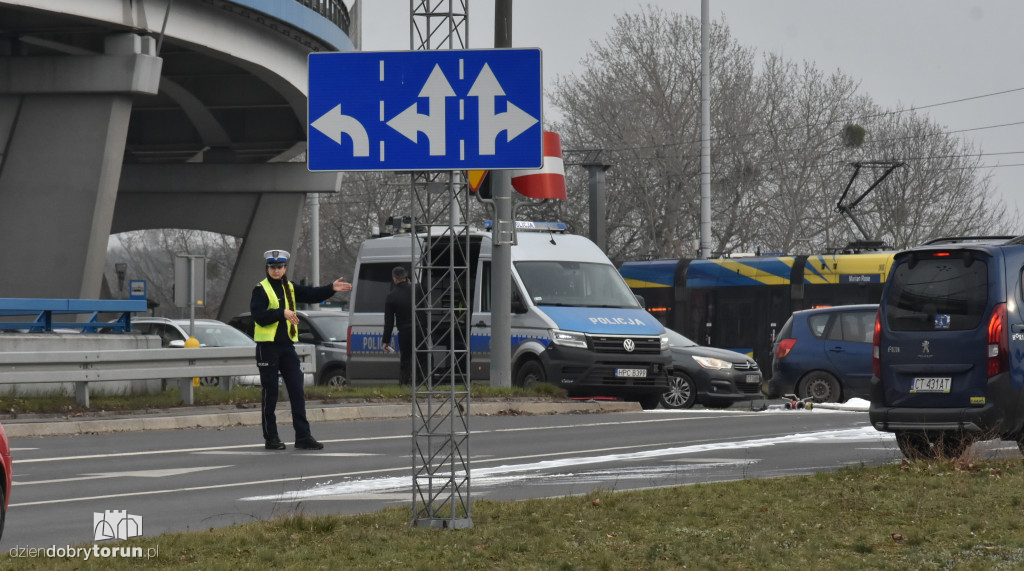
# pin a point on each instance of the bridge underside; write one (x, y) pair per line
(99, 133)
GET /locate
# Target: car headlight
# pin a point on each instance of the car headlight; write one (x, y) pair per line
(664, 342)
(710, 363)
(569, 338)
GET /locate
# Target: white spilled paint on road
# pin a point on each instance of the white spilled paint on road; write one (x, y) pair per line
(506, 473)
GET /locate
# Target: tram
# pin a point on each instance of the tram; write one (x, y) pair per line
(739, 303)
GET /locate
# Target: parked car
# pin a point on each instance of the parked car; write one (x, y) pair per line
(709, 376)
(824, 354)
(6, 473)
(948, 367)
(326, 329)
(209, 333)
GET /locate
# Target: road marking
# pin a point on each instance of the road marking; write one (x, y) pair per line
(576, 458)
(365, 439)
(506, 471)
(127, 474)
(317, 455)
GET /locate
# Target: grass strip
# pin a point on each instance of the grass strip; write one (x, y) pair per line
(62, 402)
(922, 515)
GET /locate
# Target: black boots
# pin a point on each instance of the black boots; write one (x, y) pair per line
(274, 444)
(308, 443)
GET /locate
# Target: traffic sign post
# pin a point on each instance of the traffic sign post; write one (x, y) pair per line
(425, 110)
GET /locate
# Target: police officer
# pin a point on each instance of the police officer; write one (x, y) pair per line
(276, 330)
(398, 313)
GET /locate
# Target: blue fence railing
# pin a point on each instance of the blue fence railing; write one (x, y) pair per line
(333, 10)
(41, 312)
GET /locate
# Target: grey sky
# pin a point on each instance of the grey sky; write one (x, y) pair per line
(910, 52)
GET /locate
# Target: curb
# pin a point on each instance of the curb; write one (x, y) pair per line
(53, 427)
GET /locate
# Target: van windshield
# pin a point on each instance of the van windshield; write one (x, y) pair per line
(940, 293)
(575, 284)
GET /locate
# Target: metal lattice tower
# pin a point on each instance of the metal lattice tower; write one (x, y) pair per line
(441, 306)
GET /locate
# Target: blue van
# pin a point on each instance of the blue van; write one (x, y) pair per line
(575, 322)
(948, 350)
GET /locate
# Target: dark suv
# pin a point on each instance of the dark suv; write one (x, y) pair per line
(947, 358)
(327, 330)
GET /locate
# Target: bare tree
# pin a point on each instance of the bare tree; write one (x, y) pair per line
(780, 154)
(150, 256)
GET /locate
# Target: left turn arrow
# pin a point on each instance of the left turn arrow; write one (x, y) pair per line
(333, 124)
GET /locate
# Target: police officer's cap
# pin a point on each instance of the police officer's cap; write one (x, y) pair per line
(276, 258)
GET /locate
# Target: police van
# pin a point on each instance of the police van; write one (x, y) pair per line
(575, 323)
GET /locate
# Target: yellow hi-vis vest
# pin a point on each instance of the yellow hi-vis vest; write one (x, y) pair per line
(267, 332)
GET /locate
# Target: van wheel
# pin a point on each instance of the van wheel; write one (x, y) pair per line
(681, 393)
(819, 386)
(529, 375)
(334, 378)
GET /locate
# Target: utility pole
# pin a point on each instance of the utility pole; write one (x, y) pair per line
(502, 238)
(705, 133)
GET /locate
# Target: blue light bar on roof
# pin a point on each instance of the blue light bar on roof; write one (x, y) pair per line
(527, 225)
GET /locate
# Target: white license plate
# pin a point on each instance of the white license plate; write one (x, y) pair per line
(630, 372)
(931, 384)
(751, 379)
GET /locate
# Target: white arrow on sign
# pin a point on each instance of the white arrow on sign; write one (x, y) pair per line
(410, 122)
(513, 121)
(333, 124)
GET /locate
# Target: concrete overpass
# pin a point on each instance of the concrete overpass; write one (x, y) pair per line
(121, 115)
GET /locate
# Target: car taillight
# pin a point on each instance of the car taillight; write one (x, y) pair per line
(784, 347)
(348, 341)
(998, 345)
(876, 352)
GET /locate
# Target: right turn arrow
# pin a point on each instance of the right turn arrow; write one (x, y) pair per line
(513, 121)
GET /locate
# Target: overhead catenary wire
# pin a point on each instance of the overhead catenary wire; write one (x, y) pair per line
(733, 137)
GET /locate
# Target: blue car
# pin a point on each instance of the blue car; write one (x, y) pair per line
(824, 354)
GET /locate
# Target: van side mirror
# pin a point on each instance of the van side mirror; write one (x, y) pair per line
(640, 300)
(517, 304)
(307, 337)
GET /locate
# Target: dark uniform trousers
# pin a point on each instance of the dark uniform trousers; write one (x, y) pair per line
(272, 358)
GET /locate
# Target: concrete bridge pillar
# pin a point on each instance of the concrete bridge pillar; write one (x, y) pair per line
(63, 124)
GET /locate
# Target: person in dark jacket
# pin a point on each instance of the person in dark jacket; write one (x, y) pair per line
(276, 330)
(398, 312)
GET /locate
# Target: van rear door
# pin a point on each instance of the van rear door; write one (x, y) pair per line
(933, 350)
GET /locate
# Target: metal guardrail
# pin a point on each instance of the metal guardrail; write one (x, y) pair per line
(82, 367)
(333, 10)
(45, 309)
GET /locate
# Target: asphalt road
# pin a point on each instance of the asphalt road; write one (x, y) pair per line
(196, 479)
(201, 478)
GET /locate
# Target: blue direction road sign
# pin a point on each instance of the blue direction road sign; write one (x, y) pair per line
(425, 110)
